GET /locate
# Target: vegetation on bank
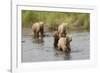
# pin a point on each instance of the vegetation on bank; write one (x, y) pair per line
(53, 19)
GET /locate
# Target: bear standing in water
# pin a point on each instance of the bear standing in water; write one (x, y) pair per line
(64, 43)
(56, 38)
(62, 30)
(38, 29)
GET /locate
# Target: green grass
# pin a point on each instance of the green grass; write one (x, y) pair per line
(54, 19)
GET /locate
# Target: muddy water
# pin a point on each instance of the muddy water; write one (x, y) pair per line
(34, 50)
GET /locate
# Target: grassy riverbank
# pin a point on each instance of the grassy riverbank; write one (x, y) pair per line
(75, 21)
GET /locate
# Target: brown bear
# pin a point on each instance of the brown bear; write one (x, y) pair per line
(38, 29)
(56, 38)
(62, 30)
(64, 43)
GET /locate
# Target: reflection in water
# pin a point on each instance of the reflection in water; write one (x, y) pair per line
(38, 50)
(64, 55)
(38, 41)
(67, 57)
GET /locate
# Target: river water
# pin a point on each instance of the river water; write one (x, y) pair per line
(36, 51)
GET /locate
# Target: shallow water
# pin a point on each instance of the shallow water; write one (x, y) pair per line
(40, 51)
